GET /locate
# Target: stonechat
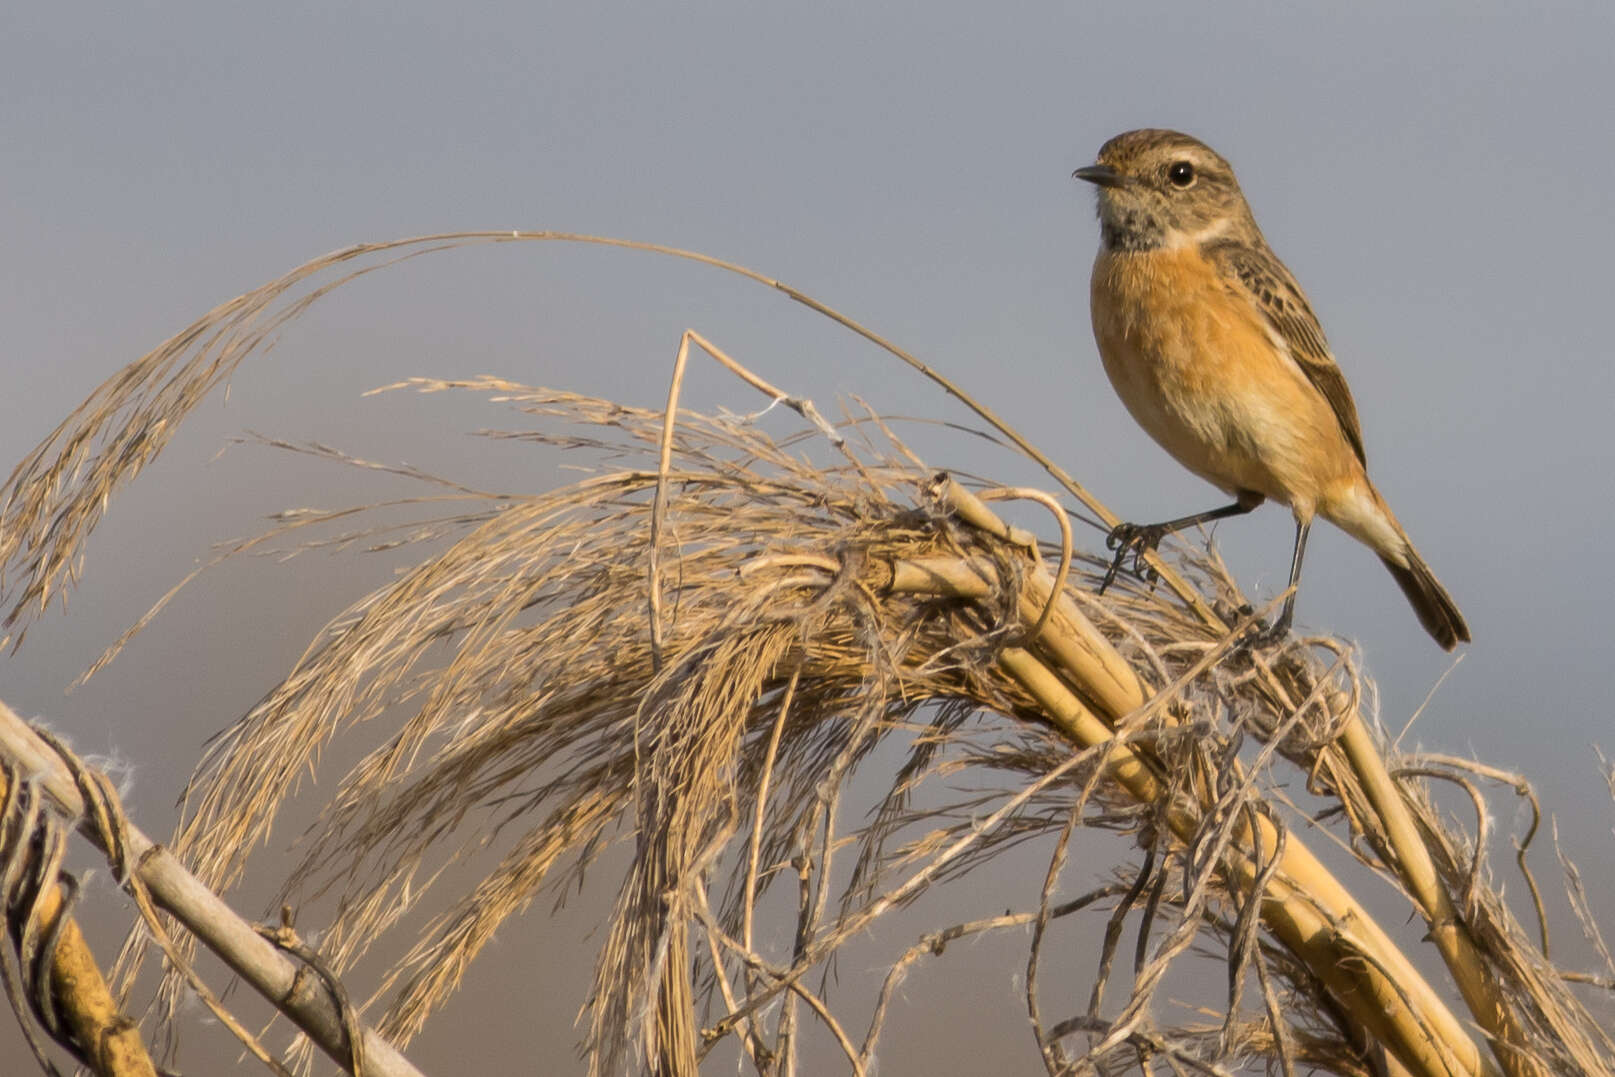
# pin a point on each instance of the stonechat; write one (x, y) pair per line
(1211, 344)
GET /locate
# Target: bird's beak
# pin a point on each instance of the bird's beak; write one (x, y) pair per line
(1101, 176)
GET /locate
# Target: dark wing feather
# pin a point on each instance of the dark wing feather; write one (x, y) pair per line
(1275, 292)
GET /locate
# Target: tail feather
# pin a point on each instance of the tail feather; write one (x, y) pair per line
(1435, 607)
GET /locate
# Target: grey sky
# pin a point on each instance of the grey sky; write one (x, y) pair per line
(1439, 180)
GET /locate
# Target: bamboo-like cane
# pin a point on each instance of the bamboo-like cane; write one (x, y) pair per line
(283, 982)
(110, 1041)
(1409, 857)
(1307, 908)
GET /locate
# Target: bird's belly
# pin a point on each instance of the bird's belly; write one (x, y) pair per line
(1193, 428)
(1199, 372)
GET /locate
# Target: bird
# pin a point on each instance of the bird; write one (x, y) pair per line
(1215, 351)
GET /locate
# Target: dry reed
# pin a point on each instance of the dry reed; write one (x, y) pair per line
(700, 654)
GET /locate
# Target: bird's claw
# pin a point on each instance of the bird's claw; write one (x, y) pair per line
(1262, 635)
(1137, 540)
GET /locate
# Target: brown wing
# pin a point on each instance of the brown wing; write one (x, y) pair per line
(1281, 301)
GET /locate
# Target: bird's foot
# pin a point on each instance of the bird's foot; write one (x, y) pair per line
(1135, 540)
(1261, 636)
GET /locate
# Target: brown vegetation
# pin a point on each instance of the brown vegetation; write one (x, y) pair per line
(699, 650)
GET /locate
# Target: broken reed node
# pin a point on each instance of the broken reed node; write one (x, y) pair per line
(710, 651)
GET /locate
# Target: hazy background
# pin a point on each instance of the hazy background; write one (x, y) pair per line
(1439, 180)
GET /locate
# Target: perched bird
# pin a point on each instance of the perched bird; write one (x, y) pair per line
(1214, 349)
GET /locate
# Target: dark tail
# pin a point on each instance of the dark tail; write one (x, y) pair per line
(1437, 612)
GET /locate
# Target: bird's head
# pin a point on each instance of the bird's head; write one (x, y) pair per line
(1163, 189)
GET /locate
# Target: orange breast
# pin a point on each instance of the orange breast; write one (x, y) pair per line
(1194, 361)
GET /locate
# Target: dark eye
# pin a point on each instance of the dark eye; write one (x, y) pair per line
(1181, 174)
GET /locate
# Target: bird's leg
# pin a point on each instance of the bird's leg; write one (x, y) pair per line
(1140, 539)
(1281, 627)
